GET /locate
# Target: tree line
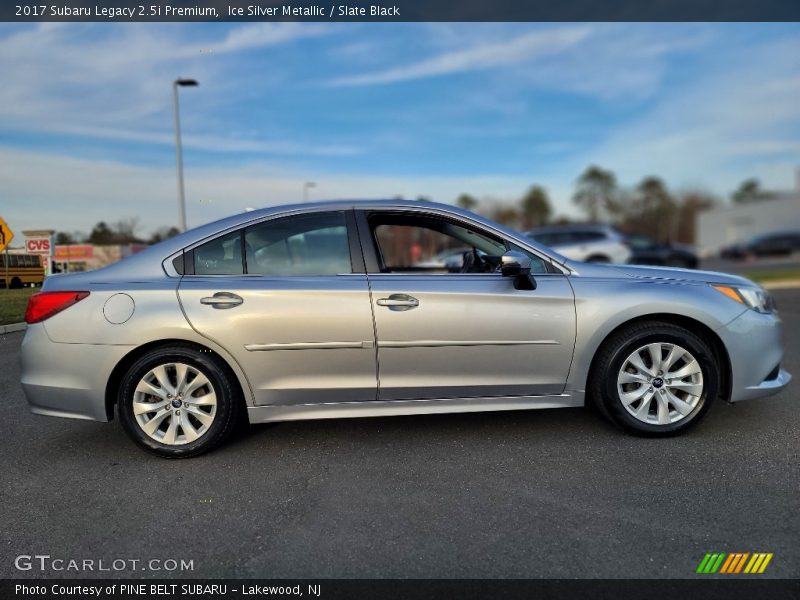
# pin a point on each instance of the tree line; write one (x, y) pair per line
(649, 208)
(121, 233)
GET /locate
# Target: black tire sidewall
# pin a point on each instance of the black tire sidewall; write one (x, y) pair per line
(669, 335)
(217, 374)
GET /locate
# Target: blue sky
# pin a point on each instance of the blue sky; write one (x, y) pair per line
(379, 110)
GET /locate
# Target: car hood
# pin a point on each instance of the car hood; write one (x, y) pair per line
(658, 273)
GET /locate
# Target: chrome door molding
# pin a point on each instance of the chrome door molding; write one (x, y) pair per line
(449, 343)
(310, 346)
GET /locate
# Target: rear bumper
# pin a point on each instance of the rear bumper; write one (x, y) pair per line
(66, 380)
(754, 347)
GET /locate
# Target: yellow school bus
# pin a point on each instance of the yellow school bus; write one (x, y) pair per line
(23, 270)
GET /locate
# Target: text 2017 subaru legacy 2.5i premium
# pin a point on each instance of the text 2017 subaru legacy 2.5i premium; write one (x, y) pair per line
(335, 309)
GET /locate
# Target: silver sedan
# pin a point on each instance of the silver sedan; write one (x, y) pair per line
(333, 310)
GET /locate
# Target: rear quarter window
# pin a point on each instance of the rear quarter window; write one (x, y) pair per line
(220, 256)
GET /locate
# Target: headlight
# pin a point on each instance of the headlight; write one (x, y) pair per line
(756, 298)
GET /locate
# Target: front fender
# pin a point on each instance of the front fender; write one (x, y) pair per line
(603, 305)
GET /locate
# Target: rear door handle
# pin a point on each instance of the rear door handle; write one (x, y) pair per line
(399, 302)
(222, 300)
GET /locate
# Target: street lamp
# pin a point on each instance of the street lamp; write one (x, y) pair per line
(307, 186)
(178, 151)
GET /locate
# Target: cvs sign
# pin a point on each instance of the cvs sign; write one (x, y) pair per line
(38, 245)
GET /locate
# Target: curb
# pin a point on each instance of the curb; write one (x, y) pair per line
(785, 284)
(12, 328)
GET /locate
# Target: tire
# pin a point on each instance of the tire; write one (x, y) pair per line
(665, 405)
(16, 283)
(598, 258)
(178, 429)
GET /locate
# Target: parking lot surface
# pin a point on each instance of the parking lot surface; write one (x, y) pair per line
(547, 493)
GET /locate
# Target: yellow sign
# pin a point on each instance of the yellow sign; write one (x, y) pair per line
(6, 235)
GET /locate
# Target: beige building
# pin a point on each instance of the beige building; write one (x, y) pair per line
(721, 226)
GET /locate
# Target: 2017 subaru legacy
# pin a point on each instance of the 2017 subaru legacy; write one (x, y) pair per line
(327, 310)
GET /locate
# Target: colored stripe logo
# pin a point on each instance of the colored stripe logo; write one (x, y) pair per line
(734, 563)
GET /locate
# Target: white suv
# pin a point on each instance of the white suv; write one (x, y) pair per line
(590, 243)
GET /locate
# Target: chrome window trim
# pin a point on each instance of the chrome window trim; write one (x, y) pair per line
(170, 271)
(262, 277)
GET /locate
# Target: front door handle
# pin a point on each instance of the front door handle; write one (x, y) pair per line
(222, 300)
(399, 302)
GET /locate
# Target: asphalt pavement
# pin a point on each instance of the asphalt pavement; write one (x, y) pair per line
(546, 493)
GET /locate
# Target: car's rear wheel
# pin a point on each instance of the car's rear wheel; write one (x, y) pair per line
(178, 402)
(654, 378)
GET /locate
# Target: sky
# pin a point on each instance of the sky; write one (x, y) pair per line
(369, 110)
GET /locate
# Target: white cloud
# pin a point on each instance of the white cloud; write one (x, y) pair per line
(603, 60)
(482, 56)
(267, 34)
(724, 128)
(213, 143)
(112, 81)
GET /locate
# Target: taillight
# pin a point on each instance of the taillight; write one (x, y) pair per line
(44, 305)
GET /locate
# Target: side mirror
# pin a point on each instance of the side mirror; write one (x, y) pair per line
(518, 265)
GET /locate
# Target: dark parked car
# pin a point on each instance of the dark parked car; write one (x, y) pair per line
(647, 251)
(779, 243)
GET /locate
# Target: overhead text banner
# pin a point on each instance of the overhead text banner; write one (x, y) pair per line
(402, 10)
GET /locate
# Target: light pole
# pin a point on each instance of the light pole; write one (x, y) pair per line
(178, 150)
(307, 186)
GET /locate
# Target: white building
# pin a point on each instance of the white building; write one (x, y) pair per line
(721, 226)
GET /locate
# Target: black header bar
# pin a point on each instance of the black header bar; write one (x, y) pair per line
(400, 10)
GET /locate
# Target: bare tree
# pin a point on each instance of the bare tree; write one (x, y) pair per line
(655, 208)
(535, 207)
(163, 233)
(126, 231)
(467, 202)
(505, 214)
(689, 206)
(749, 191)
(596, 192)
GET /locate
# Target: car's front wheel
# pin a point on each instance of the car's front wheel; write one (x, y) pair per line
(178, 402)
(654, 378)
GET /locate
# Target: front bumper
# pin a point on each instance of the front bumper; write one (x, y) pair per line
(753, 341)
(770, 386)
(66, 380)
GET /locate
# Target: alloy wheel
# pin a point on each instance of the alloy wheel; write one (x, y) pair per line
(660, 383)
(174, 403)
